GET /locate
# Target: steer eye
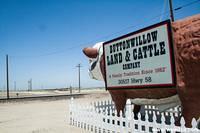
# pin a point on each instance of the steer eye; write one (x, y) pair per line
(95, 62)
(93, 65)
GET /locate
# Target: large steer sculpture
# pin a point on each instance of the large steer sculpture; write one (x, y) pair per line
(186, 37)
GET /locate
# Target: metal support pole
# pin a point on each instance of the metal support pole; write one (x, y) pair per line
(15, 86)
(79, 78)
(171, 10)
(31, 84)
(7, 76)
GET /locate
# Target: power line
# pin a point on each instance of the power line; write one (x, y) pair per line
(92, 41)
(51, 53)
(164, 8)
(185, 5)
(109, 35)
(3, 51)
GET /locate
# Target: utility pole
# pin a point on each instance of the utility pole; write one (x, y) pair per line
(79, 77)
(15, 86)
(171, 10)
(7, 76)
(30, 85)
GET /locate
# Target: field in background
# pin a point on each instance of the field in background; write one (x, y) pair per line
(48, 92)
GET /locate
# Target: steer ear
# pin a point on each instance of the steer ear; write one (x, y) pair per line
(90, 52)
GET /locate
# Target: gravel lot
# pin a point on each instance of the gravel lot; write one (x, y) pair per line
(41, 116)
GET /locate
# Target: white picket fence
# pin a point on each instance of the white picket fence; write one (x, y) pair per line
(101, 117)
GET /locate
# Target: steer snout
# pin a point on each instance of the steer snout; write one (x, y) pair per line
(90, 52)
(94, 54)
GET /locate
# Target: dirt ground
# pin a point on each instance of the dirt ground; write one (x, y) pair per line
(39, 116)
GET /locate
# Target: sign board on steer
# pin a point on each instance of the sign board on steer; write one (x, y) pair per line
(141, 59)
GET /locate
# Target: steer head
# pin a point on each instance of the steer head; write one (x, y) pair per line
(96, 61)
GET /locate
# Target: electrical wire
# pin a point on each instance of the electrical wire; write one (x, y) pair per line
(109, 35)
(185, 5)
(163, 10)
(92, 41)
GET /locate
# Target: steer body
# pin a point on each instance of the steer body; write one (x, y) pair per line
(186, 35)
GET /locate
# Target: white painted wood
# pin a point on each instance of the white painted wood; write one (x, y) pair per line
(101, 117)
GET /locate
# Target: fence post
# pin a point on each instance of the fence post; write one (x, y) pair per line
(146, 117)
(132, 122)
(194, 125)
(127, 121)
(182, 125)
(155, 129)
(129, 109)
(102, 123)
(172, 124)
(163, 125)
(139, 123)
(71, 111)
(121, 122)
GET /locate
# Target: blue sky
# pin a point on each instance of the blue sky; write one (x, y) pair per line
(44, 38)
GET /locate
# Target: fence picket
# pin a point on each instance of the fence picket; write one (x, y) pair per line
(101, 117)
(163, 127)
